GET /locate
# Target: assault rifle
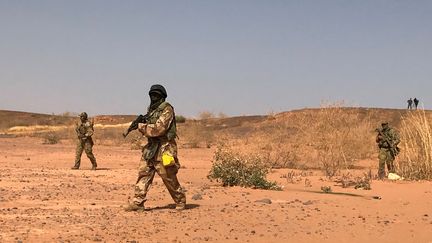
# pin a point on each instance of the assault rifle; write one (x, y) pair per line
(134, 124)
(394, 149)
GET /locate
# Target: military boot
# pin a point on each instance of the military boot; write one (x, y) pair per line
(76, 166)
(133, 207)
(94, 164)
(180, 206)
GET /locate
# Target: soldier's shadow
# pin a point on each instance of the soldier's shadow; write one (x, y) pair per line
(172, 206)
(103, 168)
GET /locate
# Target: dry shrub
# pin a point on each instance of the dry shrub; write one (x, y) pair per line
(294, 177)
(111, 136)
(222, 115)
(330, 138)
(326, 189)
(69, 114)
(415, 160)
(278, 157)
(358, 182)
(51, 138)
(205, 115)
(233, 169)
(363, 182)
(194, 134)
(339, 135)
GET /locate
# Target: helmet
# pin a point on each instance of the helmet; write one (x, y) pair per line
(83, 115)
(158, 89)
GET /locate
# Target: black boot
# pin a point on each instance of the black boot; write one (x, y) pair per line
(76, 166)
(94, 165)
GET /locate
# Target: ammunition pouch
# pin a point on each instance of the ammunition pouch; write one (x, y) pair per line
(150, 149)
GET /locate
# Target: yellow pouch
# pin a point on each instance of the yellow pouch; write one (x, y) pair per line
(167, 159)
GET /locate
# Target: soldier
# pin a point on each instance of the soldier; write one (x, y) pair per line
(410, 102)
(84, 130)
(387, 140)
(416, 102)
(159, 155)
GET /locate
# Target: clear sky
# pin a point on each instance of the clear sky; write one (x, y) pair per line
(238, 57)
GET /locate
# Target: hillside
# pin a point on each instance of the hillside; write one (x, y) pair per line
(237, 125)
(307, 138)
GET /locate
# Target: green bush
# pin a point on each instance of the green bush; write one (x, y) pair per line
(180, 119)
(236, 170)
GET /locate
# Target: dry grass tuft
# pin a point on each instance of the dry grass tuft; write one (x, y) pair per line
(415, 160)
(51, 138)
(340, 136)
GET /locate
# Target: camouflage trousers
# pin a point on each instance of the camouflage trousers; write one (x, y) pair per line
(385, 158)
(146, 173)
(87, 146)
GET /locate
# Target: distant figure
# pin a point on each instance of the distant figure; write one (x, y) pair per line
(159, 155)
(416, 101)
(84, 130)
(410, 102)
(387, 140)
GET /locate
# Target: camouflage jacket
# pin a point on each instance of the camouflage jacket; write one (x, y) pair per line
(388, 138)
(160, 131)
(84, 130)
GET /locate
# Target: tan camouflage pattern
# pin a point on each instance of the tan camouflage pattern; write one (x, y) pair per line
(84, 129)
(84, 132)
(146, 173)
(157, 127)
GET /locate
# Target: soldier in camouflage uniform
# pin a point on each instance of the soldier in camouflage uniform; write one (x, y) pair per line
(84, 130)
(387, 140)
(159, 155)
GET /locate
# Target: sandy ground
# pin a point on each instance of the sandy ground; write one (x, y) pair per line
(42, 200)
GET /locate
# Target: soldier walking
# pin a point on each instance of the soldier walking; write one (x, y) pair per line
(387, 140)
(416, 101)
(410, 102)
(84, 131)
(159, 155)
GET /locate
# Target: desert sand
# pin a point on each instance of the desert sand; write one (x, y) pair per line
(42, 200)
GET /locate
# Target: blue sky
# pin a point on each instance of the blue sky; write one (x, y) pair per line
(236, 57)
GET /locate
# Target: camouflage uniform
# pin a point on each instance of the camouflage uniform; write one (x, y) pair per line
(84, 130)
(160, 131)
(387, 140)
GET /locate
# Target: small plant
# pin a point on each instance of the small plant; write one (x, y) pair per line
(292, 177)
(346, 181)
(360, 182)
(180, 119)
(236, 170)
(326, 189)
(51, 138)
(363, 183)
(307, 183)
